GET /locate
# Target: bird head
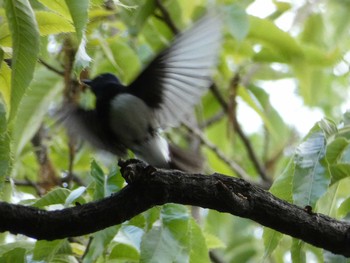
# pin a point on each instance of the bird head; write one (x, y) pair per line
(104, 84)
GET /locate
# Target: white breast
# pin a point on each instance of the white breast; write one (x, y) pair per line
(132, 121)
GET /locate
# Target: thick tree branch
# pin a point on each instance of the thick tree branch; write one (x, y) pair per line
(149, 187)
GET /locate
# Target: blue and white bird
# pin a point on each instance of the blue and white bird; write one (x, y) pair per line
(132, 117)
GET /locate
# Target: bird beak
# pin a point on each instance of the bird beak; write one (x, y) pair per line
(87, 82)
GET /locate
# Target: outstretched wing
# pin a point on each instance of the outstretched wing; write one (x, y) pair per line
(177, 78)
(86, 125)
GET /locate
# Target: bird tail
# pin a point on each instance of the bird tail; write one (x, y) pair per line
(185, 160)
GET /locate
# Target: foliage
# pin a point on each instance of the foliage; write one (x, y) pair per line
(46, 45)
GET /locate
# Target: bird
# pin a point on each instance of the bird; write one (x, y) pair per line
(132, 117)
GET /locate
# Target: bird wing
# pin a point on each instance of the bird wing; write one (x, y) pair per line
(86, 125)
(177, 78)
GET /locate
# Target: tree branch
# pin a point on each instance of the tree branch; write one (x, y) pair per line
(149, 187)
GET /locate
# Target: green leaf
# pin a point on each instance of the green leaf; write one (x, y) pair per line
(339, 171)
(199, 250)
(46, 250)
(344, 208)
(51, 23)
(213, 242)
(57, 6)
(281, 188)
(336, 149)
(100, 181)
(4, 248)
(298, 253)
(34, 106)
(56, 196)
(124, 252)
(5, 156)
(5, 86)
(130, 235)
(25, 38)
(124, 57)
(237, 21)
(99, 243)
(16, 255)
(170, 242)
(271, 36)
(76, 196)
(311, 177)
(79, 14)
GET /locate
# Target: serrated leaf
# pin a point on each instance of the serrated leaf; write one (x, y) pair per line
(25, 40)
(311, 177)
(51, 23)
(99, 243)
(34, 106)
(56, 196)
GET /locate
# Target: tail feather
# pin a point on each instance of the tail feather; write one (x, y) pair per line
(185, 160)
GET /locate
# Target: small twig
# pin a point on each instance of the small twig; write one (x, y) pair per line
(166, 17)
(214, 119)
(59, 72)
(233, 165)
(240, 132)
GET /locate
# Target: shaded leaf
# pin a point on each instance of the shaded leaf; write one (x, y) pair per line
(46, 250)
(311, 177)
(99, 243)
(34, 106)
(5, 86)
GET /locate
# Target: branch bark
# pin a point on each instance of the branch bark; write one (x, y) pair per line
(149, 187)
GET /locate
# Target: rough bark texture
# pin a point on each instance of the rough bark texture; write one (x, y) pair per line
(149, 187)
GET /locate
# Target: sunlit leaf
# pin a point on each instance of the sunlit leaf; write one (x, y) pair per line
(56, 196)
(57, 6)
(51, 23)
(25, 38)
(75, 195)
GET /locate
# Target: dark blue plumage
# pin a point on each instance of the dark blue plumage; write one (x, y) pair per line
(131, 117)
